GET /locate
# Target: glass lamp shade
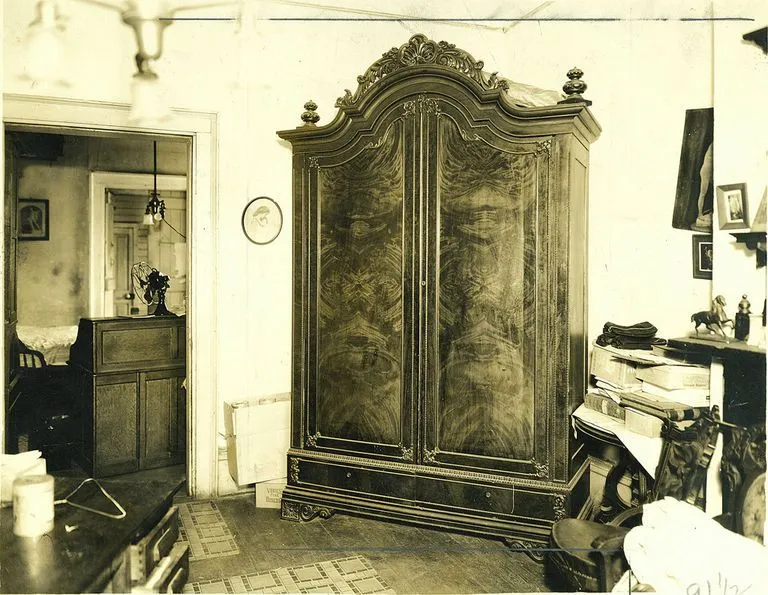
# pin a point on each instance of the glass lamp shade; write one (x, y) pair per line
(149, 101)
(148, 219)
(44, 44)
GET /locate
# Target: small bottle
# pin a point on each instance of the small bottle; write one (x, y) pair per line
(741, 326)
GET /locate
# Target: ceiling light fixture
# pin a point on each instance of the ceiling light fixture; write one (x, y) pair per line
(44, 44)
(147, 18)
(155, 207)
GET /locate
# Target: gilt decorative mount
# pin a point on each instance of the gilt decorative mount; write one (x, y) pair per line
(419, 51)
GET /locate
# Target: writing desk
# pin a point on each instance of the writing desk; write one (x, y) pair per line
(87, 558)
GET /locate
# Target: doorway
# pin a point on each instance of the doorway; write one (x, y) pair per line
(58, 407)
(117, 202)
(200, 129)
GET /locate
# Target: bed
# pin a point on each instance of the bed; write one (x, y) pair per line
(52, 342)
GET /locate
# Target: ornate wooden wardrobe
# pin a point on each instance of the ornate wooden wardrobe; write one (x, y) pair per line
(439, 300)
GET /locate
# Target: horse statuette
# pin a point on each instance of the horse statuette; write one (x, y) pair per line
(713, 319)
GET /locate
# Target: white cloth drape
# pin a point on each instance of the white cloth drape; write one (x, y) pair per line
(679, 549)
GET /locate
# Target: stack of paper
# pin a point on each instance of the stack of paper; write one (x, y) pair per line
(638, 384)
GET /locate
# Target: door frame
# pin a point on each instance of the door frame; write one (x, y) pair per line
(99, 183)
(58, 114)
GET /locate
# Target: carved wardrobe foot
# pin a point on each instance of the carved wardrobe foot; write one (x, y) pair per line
(304, 512)
(532, 549)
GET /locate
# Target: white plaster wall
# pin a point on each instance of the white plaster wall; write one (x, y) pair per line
(642, 76)
(52, 276)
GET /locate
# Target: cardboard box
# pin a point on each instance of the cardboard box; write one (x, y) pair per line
(258, 436)
(675, 377)
(268, 493)
(606, 366)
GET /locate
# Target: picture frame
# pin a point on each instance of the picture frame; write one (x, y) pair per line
(732, 206)
(262, 220)
(702, 256)
(694, 196)
(33, 219)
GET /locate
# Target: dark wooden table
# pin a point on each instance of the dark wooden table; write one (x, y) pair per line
(743, 376)
(75, 561)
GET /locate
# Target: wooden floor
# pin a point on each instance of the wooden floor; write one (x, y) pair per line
(411, 560)
(408, 559)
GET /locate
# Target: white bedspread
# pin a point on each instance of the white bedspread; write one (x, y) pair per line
(679, 549)
(52, 341)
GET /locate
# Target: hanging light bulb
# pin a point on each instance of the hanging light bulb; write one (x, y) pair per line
(149, 102)
(44, 44)
(155, 210)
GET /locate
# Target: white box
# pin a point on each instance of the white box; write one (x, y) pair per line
(604, 365)
(258, 436)
(268, 493)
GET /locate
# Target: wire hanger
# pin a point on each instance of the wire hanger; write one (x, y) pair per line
(66, 500)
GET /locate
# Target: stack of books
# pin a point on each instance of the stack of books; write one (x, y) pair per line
(643, 390)
(611, 376)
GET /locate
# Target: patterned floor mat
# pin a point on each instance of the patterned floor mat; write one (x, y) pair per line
(347, 575)
(206, 532)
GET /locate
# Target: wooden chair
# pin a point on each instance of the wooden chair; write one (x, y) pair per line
(43, 408)
(587, 556)
(28, 366)
(30, 358)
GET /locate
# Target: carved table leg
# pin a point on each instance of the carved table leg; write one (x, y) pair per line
(532, 549)
(639, 485)
(611, 504)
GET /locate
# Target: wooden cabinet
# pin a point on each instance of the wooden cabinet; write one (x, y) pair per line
(130, 399)
(440, 300)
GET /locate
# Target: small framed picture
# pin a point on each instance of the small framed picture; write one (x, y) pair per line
(732, 206)
(702, 256)
(262, 220)
(32, 219)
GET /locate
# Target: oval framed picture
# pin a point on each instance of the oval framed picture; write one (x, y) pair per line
(262, 220)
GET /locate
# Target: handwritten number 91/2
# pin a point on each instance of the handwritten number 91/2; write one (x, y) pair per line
(721, 588)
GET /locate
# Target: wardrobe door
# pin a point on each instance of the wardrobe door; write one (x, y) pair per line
(485, 345)
(360, 271)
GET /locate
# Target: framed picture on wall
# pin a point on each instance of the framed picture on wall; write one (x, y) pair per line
(32, 219)
(262, 220)
(694, 194)
(702, 256)
(732, 206)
